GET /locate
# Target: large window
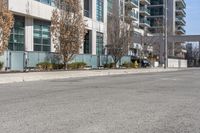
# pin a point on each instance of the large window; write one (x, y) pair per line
(99, 10)
(42, 39)
(17, 36)
(99, 44)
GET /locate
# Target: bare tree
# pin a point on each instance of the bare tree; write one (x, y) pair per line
(119, 34)
(68, 28)
(6, 24)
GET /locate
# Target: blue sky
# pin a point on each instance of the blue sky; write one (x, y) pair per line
(193, 17)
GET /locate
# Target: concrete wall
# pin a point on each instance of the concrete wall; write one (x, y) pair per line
(177, 63)
(31, 8)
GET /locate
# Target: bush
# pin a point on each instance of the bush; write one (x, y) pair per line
(45, 66)
(77, 65)
(1, 65)
(58, 66)
(130, 65)
(127, 65)
(135, 64)
(110, 65)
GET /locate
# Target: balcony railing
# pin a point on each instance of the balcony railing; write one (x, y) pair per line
(182, 2)
(134, 3)
(181, 11)
(145, 9)
(181, 29)
(133, 14)
(180, 19)
(145, 2)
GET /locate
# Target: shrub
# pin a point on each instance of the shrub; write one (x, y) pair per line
(77, 65)
(127, 65)
(110, 65)
(134, 65)
(58, 66)
(44, 66)
(130, 65)
(1, 65)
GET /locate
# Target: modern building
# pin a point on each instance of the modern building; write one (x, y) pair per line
(175, 23)
(31, 31)
(176, 14)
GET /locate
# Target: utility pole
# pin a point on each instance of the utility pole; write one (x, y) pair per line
(166, 37)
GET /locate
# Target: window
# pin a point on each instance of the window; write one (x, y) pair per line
(87, 45)
(42, 39)
(17, 36)
(87, 8)
(110, 6)
(99, 44)
(99, 10)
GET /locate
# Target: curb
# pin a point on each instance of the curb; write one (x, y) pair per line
(38, 76)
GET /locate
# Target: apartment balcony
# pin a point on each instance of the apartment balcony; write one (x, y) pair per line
(180, 21)
(180, 11)
(144, 11)
(132, 3)
(181, 3)
(180, 30)
(144, 22)
(132, 15)
(145, 2)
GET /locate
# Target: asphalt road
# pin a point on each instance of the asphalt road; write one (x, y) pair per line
(139, 103)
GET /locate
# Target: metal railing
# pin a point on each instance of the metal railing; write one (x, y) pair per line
(145, 9)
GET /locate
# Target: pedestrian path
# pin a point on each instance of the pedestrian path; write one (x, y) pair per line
(37, 76)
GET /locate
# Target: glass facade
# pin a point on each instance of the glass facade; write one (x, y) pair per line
(17, 36)
(99, 44)
(99, 10)
(42, 38)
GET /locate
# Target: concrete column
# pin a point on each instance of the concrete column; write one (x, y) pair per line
(29, 34)
(94, 42)
(94, 9)
(171, 17)
(105, 23)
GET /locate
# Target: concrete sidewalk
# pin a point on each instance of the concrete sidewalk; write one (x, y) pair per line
(36, 76)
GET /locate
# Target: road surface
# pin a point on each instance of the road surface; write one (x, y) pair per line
(137, 103)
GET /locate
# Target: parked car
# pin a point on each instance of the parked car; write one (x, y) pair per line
(145, 63)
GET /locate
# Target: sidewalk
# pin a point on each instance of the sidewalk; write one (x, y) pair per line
(37, 76)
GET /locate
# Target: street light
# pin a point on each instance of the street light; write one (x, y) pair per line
(166, 37)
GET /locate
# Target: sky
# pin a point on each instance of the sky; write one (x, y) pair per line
(192, 17)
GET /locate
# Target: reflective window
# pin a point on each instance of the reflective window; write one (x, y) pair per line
(99, 44)
(42, 38)
(99, 10)
(17, 36)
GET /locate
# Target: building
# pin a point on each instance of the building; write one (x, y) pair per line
(31, 31)
(175, 24)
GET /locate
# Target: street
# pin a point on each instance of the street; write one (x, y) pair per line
(167, 102)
